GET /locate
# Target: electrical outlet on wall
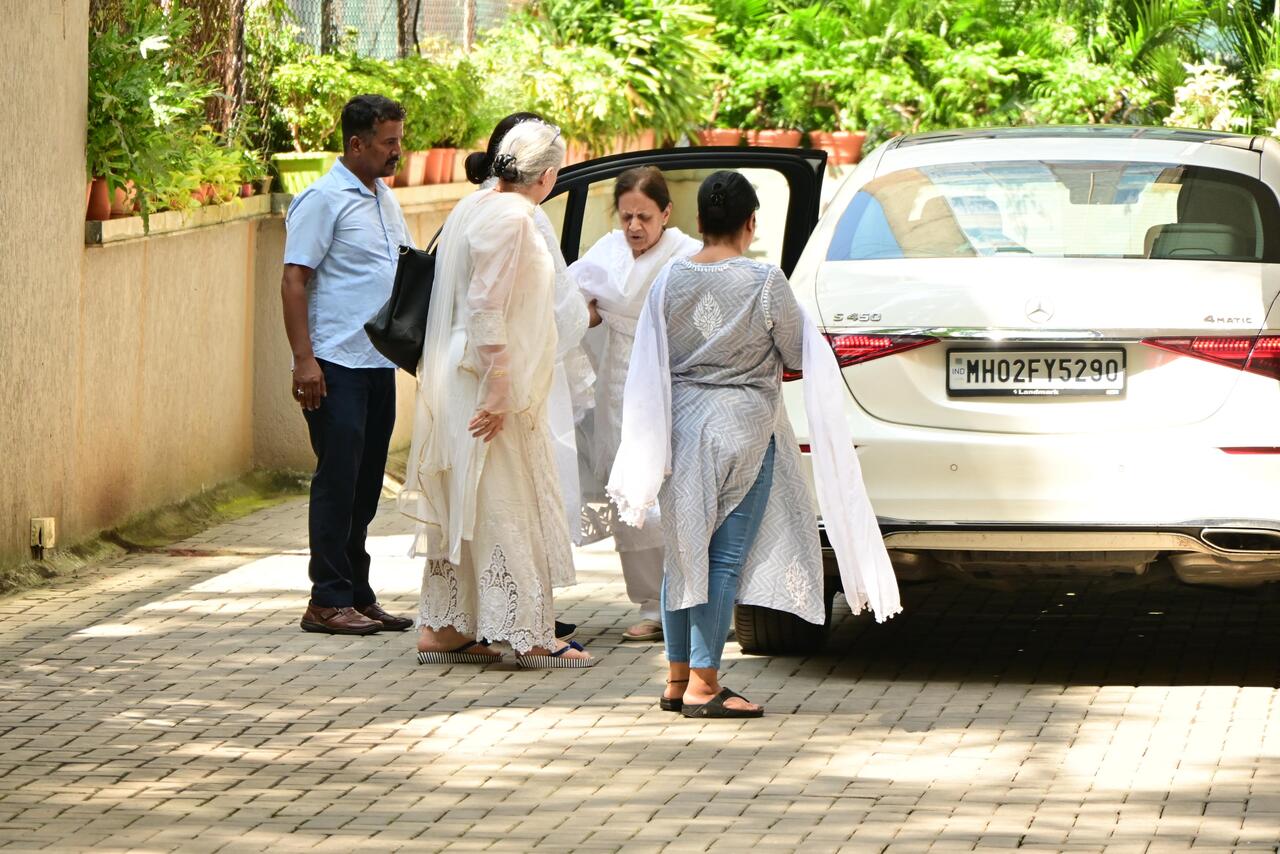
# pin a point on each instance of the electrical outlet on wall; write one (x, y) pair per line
(44, 532)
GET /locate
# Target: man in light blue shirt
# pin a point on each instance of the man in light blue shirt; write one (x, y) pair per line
(341, 250)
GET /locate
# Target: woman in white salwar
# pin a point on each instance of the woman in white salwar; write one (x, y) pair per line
(705, 435)
(616, 274)
(482, 480)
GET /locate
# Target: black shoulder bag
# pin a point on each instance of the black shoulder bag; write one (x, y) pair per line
(398, 329)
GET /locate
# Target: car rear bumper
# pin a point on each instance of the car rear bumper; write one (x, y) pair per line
(1211, 551)
(1127, 480)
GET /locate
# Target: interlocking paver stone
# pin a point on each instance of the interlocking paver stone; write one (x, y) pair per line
(168, 702)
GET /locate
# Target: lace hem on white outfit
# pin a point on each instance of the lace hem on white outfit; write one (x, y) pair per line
(491, 518)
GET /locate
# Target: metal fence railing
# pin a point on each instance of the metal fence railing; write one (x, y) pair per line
(377, 22)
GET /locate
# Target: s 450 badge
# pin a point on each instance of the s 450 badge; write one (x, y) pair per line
(857, 317)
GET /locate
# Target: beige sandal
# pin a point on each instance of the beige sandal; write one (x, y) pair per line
(645, 630)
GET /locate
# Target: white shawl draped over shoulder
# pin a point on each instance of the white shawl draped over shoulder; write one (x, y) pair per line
(619, 283)
(644, 458)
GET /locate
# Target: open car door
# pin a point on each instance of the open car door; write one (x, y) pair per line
(788, 181)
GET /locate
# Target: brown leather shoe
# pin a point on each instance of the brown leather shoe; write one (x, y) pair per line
(338, 621)
(390, 622)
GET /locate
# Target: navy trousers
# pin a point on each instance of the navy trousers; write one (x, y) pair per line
(350, 433)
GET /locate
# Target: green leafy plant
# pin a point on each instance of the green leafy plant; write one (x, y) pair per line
(1209, 99)
(271, 38)
(605, 67)
(144, 90)
(311, 90)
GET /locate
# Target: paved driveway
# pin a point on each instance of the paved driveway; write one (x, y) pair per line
(169, 703)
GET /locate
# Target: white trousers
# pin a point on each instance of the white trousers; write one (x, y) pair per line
(642, 572)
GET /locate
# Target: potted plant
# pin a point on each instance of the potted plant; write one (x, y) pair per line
(760, 96)
(310, 94)
(459, 114)
(412, 80)
(253, 174)
(713, 133)
(143, 89)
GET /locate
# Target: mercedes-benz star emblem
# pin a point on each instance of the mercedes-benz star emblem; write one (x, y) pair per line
(1039, 310)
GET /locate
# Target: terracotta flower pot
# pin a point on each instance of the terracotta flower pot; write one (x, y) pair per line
(435, 166)
(823, 141)
(774, 138)
(99, 204)
(413, 167)
(848, 145)
(123, 199)
(246, 190)
(719, 136)
(445, 160)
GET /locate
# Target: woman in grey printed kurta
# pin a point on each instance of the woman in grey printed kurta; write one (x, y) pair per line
(732, 325)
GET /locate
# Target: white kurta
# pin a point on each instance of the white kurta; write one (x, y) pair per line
(688, 413)
(620, 283)
(492, 523)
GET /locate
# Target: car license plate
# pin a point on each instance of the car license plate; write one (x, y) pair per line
(1034, 373)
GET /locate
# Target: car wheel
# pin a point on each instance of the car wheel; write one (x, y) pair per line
(764, 631)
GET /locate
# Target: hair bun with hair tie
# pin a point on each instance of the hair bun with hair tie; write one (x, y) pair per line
(717, 197)
(504, 166)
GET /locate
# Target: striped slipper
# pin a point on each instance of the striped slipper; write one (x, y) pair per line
(459, 655)
(556, 659)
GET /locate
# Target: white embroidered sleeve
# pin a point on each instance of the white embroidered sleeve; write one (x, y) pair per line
(486, 328)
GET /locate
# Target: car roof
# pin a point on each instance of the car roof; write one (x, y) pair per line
(1234, 140)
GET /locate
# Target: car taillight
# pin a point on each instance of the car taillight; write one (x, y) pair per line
(855, 349)
(1258, 355)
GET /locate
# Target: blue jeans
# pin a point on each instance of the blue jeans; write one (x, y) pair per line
(696, 635)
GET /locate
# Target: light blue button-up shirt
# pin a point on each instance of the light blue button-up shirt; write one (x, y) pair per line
(351, 238)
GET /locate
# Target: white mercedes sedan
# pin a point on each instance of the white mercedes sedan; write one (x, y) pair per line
(1062, 349)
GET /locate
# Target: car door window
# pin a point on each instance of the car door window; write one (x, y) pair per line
(788, 182)
(771, 186)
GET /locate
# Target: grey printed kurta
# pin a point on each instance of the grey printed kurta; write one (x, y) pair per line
(731, 327)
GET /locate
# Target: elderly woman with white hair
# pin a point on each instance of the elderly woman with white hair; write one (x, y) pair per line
(482, 480)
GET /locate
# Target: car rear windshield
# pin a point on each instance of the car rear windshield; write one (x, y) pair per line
(1069, 209)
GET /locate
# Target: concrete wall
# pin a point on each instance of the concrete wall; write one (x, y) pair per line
(42, 198)
(165, 371)
(141, 371)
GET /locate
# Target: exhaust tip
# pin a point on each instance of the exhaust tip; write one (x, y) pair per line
(1248, 540)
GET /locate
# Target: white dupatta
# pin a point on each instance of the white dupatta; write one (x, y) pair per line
(644, 458)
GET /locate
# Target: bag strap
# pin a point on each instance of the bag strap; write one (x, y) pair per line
(431, 246)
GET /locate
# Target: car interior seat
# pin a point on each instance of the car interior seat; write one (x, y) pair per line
(1215, 220)
(1194, 240)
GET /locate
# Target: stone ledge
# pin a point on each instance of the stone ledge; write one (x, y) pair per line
(169, 222)
(412, 200)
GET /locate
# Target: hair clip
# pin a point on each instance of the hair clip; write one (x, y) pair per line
(504, 166)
